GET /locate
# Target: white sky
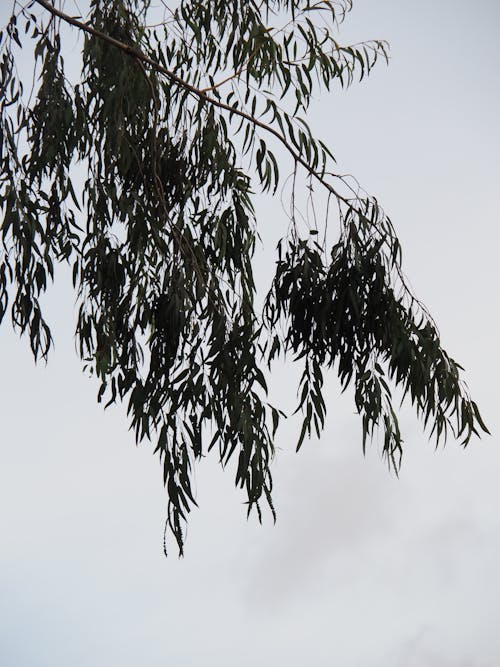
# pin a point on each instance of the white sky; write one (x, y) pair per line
(361, 569)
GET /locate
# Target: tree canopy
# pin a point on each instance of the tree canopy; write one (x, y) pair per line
(139, 172)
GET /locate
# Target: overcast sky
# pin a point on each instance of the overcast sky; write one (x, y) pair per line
(361, 569)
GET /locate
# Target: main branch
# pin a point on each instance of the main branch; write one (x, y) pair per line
(198, 92)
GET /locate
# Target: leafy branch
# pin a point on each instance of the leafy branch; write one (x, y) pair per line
(199, 93)
(160, 235)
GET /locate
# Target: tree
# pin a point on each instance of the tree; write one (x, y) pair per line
(167, 119)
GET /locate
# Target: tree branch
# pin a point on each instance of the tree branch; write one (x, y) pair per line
(201, 94)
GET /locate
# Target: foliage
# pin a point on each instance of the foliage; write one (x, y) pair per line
(166, 122)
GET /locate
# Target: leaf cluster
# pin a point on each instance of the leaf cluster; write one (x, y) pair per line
(348, 313)
(139, 175)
